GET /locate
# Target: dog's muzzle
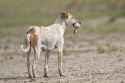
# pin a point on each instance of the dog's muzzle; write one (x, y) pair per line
(76, 26)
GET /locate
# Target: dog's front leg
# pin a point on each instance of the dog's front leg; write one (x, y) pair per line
(60, 60)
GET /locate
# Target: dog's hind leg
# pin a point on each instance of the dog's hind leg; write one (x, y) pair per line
(34, 64)
(29, 64)
(35, 60)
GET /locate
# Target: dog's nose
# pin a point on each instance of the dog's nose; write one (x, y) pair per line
(76, 25)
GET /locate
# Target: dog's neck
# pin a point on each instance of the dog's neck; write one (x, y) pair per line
(61, 22)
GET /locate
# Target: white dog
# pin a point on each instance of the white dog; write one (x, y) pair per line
(48, 38)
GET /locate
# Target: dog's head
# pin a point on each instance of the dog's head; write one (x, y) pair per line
(70, 20)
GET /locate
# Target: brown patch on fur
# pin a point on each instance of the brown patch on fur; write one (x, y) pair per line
(33, 37)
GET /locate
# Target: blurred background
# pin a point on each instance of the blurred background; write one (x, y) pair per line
(96, 15)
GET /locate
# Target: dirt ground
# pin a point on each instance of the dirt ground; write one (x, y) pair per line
(88, 58)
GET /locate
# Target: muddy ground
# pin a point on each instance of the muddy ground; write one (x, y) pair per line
(88, 58)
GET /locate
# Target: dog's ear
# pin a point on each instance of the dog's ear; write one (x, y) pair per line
(64, 15)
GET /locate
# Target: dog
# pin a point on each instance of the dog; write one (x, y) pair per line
(48, 38)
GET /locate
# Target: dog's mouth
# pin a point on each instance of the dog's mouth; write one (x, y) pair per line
(75, 31)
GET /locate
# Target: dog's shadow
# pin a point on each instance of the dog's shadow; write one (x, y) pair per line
(14, 78)
(26, 79)
(21, 78)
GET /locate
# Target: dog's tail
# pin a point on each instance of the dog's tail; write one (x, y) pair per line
(26, 46)
(25, 49)
(27, 41)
